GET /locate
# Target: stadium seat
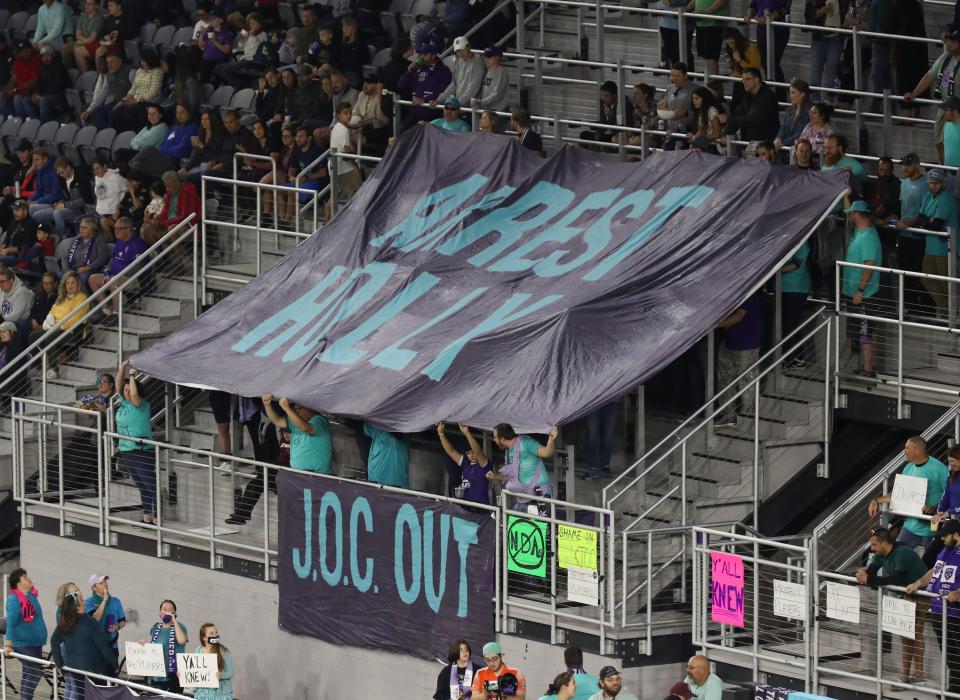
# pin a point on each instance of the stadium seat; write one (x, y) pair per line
(243, 99)
(184, 35)
(85, 136)
(132, 52)
(47, 132)
(4, 16)
(207, 92)
(74, 103)
(401, 7)
(122, 140)
(85, 84)
(287, 16)
(388, 21)
(16, 23)
(381, 58)
(221, 96)
(103, 143)
(71, 152)
(8, 134)
(29, 129)
(52, 150)
(147, 33)
(65, 134)
(28, 29)
(164, 35)
(74, 74)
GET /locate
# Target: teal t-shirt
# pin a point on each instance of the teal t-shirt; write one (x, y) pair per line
(798, 281)
(529, 460)
(163, 639)
(112, 614)
(911, 196)
(712, 688)
(587, 686)
(864, 246)
(951, 144)
(943, 206)
(389, 461)
(134, 422)
(936, 474)
(851, 164)
(311, 453)
(458, 125)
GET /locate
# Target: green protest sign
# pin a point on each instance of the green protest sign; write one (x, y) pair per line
(526, 546)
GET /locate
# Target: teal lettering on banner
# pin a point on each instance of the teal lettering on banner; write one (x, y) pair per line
(407, 520)
(361, 506)
(332, 503)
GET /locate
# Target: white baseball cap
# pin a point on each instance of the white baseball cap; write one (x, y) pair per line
(461, 43)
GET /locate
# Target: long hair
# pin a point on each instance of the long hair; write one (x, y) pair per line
(955, 454)
(69, 613)
(63, 590)
(739, 40)
(453, 652)
(62, 289)
(220, 647)
(707, 100)
(559, 682)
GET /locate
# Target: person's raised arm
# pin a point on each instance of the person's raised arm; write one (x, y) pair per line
(447, 445)
(180, 631)
(135, 398)
(298, 422)
(474, 445)
(546, 451)
(272, 415)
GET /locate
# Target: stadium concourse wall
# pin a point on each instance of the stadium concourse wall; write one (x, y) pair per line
(271, 663)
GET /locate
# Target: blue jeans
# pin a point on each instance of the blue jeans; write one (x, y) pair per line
(880, 76)
(60, 218)
(74, 687)
(142, 467)
(825, 65)
(600, 425)
(31, 671)
(913, 541)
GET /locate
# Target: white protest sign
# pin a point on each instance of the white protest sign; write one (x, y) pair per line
(145, 660)
(197, 670)
(843, 602)
(909, 495)
(790, 600)
(899, 617)
(583, 586)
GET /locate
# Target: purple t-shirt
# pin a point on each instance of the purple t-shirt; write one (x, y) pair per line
(475, 477)
(125, 252)
(211, 52)
(945, 580)
(747, 334)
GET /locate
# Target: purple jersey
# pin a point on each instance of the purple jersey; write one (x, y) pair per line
(945, 580)
(473, 478)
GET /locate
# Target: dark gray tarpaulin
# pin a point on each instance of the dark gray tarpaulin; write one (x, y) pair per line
(470, 280)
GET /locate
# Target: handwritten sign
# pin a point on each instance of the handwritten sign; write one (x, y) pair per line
(526, 546)
(843, 602)
(197, 670)
(899, 617)
(789, 600)
(145, 660)
(583, 585)
(726, 583)
(909, 495)
(576, 547)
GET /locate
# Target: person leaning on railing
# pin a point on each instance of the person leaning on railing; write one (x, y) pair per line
(942, 76)
(78, 642)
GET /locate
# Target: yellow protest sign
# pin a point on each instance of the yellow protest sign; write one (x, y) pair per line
(576, 547)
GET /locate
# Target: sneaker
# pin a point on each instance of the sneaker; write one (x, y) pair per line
(107, 311)
(235, 520)
(917, 680)
(52, 373)
(797, 363)
(869, 374)
(226, 468)
(724, 423)
(591, 476)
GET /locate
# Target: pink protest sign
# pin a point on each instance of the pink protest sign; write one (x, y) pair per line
(726, 588)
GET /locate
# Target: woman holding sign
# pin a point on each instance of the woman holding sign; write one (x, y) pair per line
(172, 638)
(79, 643)
(210, 644)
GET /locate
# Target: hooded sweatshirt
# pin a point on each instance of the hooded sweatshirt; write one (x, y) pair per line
(467, 76)
(16, 305)
(109, 190)
(493, 90)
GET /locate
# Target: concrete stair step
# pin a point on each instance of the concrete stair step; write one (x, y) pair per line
(141, 320)
(161, 305)
(792, 408)
(99, 356)
(85, 373)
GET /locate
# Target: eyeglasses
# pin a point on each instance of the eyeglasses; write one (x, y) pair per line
(491, 659)
(122, 228)
(450, 109)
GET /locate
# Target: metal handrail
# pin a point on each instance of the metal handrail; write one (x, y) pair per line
(473, 30)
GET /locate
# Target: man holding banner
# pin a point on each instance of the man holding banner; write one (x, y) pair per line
(524, 470)
(311, 444)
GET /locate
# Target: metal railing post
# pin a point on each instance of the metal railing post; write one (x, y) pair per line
(756, 454)
(857, 81)
(119, 330)
(879, 650)
(887, 120)
(826, 398)
(952, 274)
(600, 29)
(580, 53)
(521, 20)
(682, 35)
(621, 110)
(771, 66)
(709, 388)
(537, 102)
(334, 161)
(203, 237)
(900, 284)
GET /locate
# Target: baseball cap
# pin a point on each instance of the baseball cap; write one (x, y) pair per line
(909, 159)
(681, 690)
(452, 102)
(951, 103)
(23, 145)
(934, 175)
(461, 43)
(371, 76)
(45, 227)
(608, 671)
(492, 648)
(98, 578)
(859, 206)
(953, 36)
(20, 203)
(46, 49)
(426, 47)
(492, 52)
(8, 326)
(23, 45)
(947, 527)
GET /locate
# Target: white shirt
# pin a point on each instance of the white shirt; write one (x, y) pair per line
(340, 139)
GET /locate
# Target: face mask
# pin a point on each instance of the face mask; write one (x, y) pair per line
(213, 640)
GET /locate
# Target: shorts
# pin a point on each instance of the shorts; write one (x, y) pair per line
(220, 403)
(709, 42)
(860, 328)
(923, 607)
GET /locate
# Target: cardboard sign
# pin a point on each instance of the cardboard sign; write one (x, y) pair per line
(197, 670)
(526, 546)
(583, 586)
(576, 547)
(726, 585)
(145, 660)
(843, 602)
(909, 495)
(789, 600)
(899, 617)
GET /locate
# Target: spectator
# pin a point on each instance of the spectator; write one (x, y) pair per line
(860, 286)
(109, 187)
(451, 120)
(910, 57)
(942, 581)
(600, 426)
(100, 399)
(370, 115)
(389, 460)
(949, 505)
(130, 113)
(644, 106)
(253, 54)
(44, 298)
(54, 22)
(112, 86)
(18, 236)
(353, 53)
(766, 151)
(796, 286)
(710, 31)
(585, 682)
(203, 21)
(669, 26)
(522, 124)
(741, 52)
(70, 297)
(80, 52)
(6, 60)
(770, 11)
(608, 110)
(75, 195)
(180, 201)
(309, 104)
(26, 631)
(492, 682)
(9, 343)
(215, 45)
(951, 134)
(885, 192)
(305, 154)
(348, 174)
(22, 174)
(818, 129)
(31, 257)
(401, 58)
(78, 642)
(702, 683)
(87, 252)
(224, 413)
(311, 444)
(24, 76)
(266, 448)
(171, 635)
(270, 96)
(678, 99)
(563, 687)
(425, 81)
(942, 76)
(880, 21)
(756, 117)
(796, 117)
(63, 590)
(469, 483)
(15, 298)
(207, 145)
(152, 161)
(938, 213)
(47, 188)
(128, 247)
(495, 86)
(680, 691)
(133, 421)
(524, 470)
(826, 45)
(706, 116)
(467, 71)
(836, 158)
(489, 123)
(186, 88)
(611, 686)
(49, 96)
(739, 352)
(118, 27)
(153, 133)
(910, 245)
(901, 566)
(210, 644)
(456, 678)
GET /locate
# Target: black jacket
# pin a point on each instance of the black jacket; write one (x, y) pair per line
(80, 191)
(757, 117)
(531, 139)
(54, 78)
(19, 234)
